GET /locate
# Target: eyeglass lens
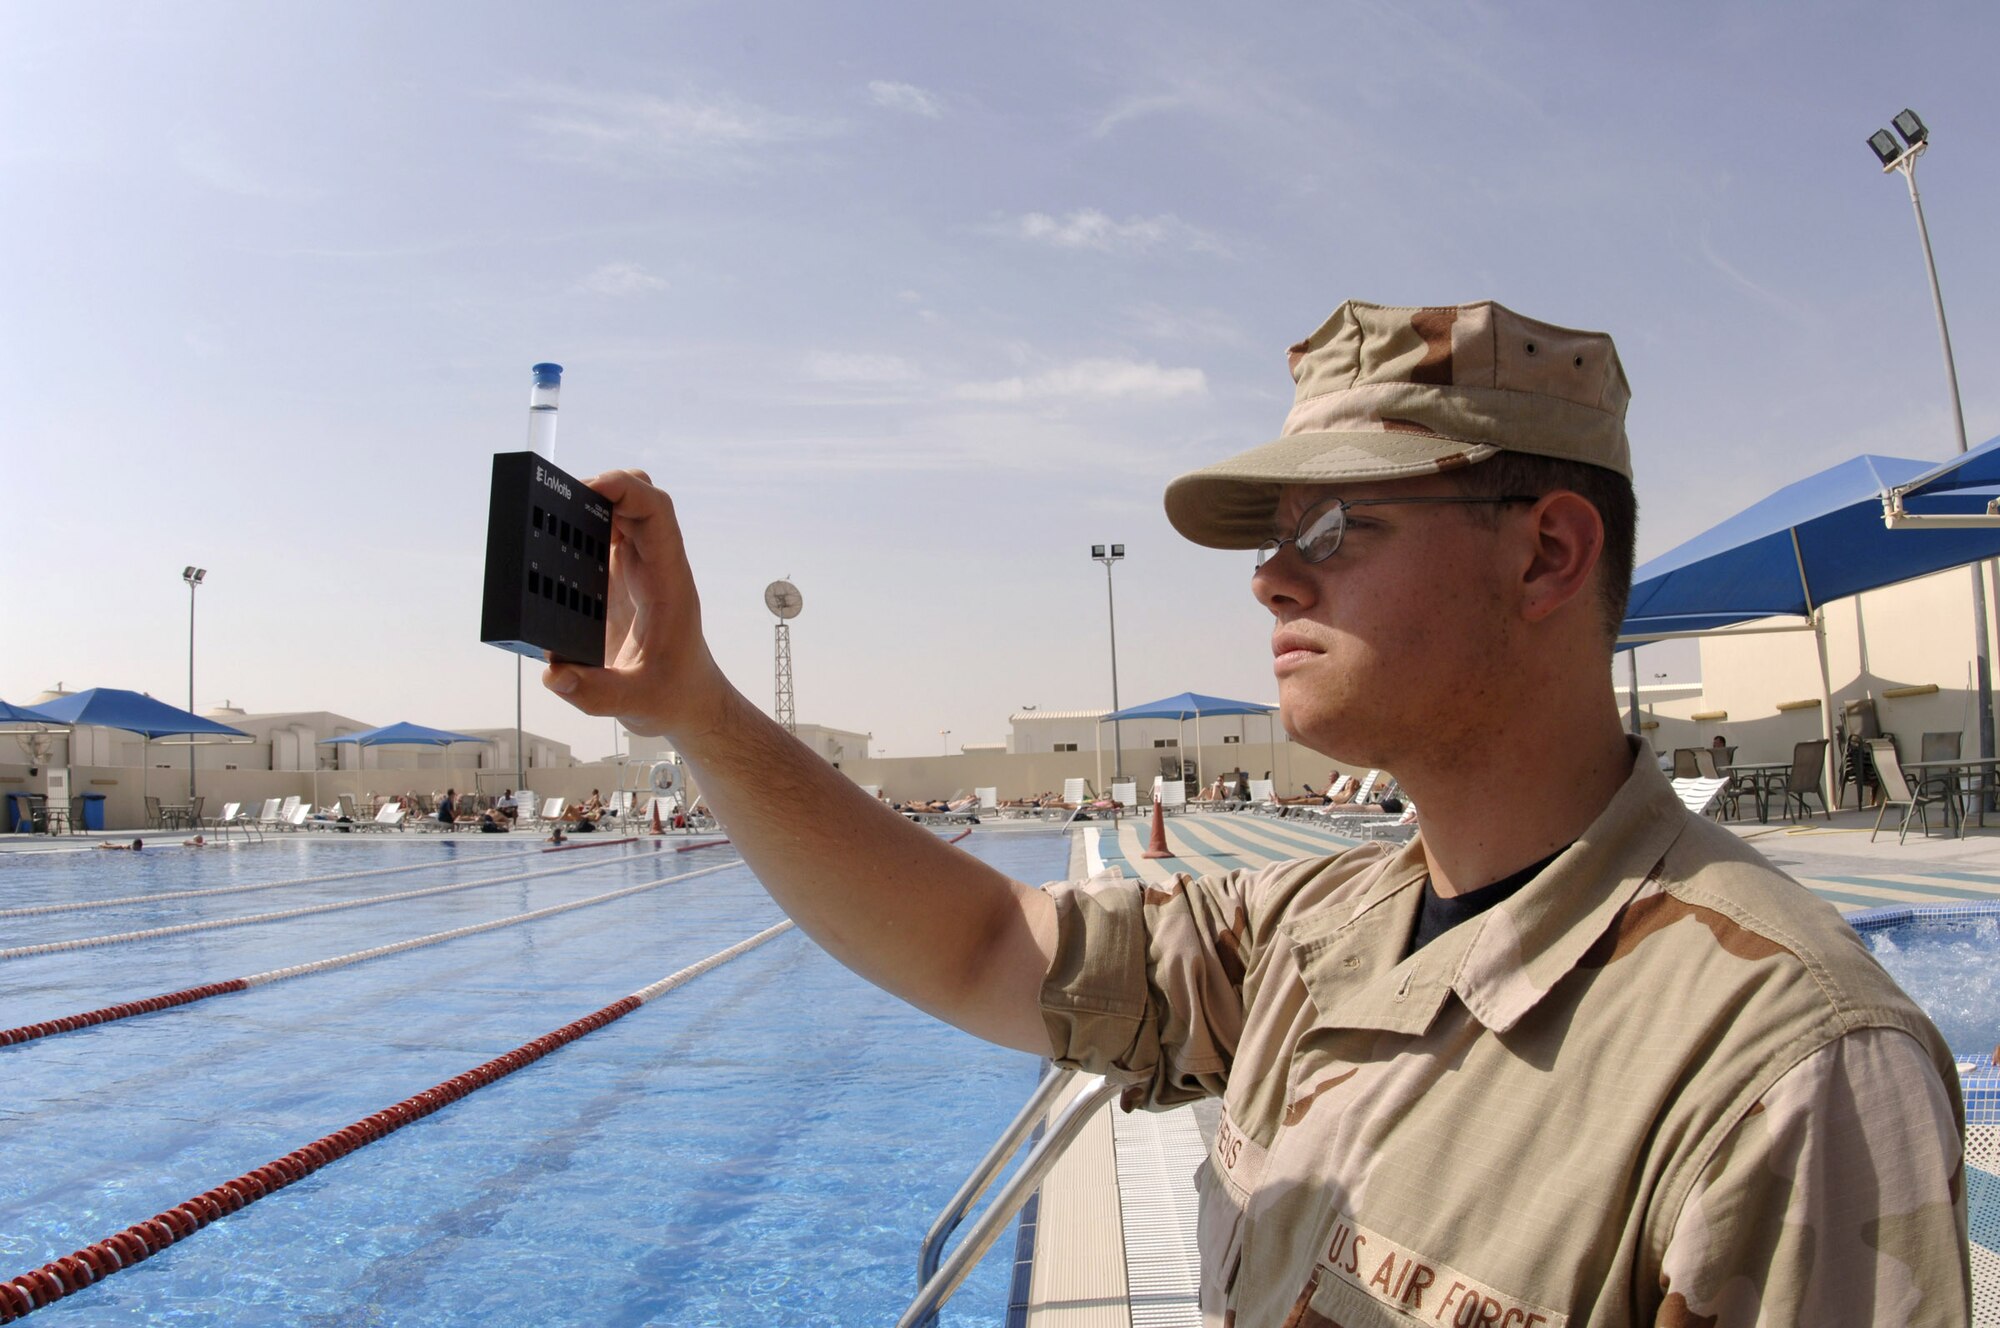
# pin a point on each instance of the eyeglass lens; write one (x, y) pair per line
(1317, 537)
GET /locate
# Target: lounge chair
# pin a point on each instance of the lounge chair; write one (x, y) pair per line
(1701, 794)
(989, 801)
(391, 817)
(267, 817)
(1126, 794)
(1171, 794)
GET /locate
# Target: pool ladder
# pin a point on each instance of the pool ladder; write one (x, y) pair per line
(938, 1277)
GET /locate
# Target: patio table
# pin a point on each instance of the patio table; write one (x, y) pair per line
(1759, 775)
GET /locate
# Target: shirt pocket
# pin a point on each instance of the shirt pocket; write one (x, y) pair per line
(1219, 1234)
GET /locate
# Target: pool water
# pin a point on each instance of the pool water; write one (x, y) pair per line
(766, 1145)
(1949, 963)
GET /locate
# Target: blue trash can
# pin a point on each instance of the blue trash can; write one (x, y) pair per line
(93, 811)
(20, 814)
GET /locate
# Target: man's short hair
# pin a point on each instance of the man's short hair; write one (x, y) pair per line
(1604, 489)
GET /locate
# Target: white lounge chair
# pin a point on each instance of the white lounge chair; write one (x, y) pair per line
(391, 817)
(1701, 794)
(989, 801)
(552, 809)
(1126, 794)
(1171, 794)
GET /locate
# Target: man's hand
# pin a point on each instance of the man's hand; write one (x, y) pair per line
(658, 676)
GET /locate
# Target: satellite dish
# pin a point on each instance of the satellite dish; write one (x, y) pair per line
(783, 599)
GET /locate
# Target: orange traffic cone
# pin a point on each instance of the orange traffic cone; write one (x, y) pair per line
(658, 829)
(1158, 847)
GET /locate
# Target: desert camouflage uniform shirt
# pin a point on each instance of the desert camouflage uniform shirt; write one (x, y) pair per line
(1663, 1084)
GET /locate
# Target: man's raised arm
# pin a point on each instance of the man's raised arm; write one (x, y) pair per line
(884, 896)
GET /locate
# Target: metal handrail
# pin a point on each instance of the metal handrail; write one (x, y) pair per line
(939, 1286)
(931, 1253)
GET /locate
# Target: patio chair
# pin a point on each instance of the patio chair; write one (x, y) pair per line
(391, 817)
(153, 821)
(552, 809)
(1806, 779)
(1126, 794)
(1686, 763)
(267, 818)
(1171, 794)
(1940, 784)
(1704, 764)
(1896, 791)
(989, 802)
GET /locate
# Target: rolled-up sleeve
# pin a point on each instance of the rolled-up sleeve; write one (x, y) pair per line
(1147, 981)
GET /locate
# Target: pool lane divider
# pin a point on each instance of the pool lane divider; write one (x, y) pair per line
(69, 1023)
(151, 933)
(35, 910)
(94, 1262)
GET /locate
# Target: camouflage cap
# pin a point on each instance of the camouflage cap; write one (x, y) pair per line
(1390, 393)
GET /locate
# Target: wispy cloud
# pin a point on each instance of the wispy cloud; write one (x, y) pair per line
(620, 279)
(834, 366)
(1092, 379)
(633, 130)
(1090, 229)
(1776, 300)
(906, 97)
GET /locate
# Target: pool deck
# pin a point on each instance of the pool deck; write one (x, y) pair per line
(1131, 1173)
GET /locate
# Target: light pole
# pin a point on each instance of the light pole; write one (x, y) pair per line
(194, 576)
(1117, 552)
(944, 742)
(1902, 157)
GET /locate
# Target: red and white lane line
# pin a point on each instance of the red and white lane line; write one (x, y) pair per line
(94, 1262)
(69, 1023)
(180, 929)
(76, 905)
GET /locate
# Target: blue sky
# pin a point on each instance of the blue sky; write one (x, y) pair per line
(909, 302)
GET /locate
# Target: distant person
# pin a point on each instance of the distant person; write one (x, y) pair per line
(447, 812)
(133, 847)
(508, 806)
(196, 842)
(556, 836)
(492, 823)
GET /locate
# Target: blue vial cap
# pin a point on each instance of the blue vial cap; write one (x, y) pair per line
(548, 375)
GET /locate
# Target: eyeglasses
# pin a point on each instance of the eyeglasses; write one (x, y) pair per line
(1322, 527)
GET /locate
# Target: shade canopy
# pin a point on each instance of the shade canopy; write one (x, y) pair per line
(1819, 539)
(1188, 705)
(402, 735)
(13, 714)
(134, 712)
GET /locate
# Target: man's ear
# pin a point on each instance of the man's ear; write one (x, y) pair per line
(1568, 541)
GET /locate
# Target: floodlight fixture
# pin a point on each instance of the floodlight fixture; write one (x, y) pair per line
(1911, 126)
(1887, 149)
(194, 575)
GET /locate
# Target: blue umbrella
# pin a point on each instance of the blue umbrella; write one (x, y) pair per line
(135, 712)
(1193, 705)
(1819, 539)
(13, 714)
(394, 735)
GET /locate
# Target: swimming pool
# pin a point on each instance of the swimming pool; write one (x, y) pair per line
(764, 1145)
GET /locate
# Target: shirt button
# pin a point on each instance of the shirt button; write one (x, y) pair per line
(1352, 961)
